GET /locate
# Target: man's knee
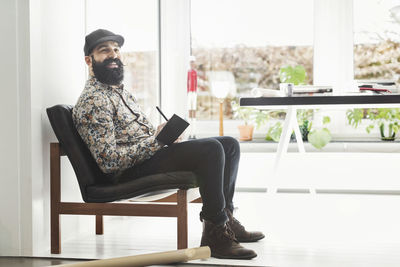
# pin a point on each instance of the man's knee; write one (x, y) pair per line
(231, 144)
(212, 146)
(234, 143)
(208, 149)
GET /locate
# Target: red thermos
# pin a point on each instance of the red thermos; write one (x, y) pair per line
(192, 81)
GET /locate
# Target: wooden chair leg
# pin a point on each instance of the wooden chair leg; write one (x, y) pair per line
(55, 234)
(99, 225)
(55, 198)
(182, 219)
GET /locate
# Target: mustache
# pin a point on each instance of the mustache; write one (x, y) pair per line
(112, 60)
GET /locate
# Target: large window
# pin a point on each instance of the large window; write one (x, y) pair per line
(250, 40)
(137, 21)
(377, 40)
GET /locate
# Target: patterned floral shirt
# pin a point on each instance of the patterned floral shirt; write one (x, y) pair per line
(113, 126)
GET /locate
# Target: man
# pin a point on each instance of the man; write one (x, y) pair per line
(123, 143)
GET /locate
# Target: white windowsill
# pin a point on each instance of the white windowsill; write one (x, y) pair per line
(345, 138)
(335, 146)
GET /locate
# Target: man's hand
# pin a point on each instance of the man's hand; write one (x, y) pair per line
(180, 138)
(159, 128)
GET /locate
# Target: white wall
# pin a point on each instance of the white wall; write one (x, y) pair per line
(14, 134)
(42, 43)
(58, 77)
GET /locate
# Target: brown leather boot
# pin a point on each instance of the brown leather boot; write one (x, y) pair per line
(240, 232)
(222, 242)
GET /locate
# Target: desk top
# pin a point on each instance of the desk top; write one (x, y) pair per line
(320, 100)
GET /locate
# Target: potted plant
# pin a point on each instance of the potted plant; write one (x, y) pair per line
(245, 114)
(386, 119)
(249, 116)
(304, 119)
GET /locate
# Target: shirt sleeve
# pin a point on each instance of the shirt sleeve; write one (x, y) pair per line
(94, 122)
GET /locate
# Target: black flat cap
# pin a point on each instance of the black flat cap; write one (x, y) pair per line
(100, 36)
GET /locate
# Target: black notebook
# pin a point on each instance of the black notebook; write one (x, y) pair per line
(172, 130)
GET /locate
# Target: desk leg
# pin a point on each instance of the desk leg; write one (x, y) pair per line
(289, 125)
(299, 137)
(283, 143)
(300, 145)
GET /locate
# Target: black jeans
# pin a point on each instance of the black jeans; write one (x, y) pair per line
(215, 162)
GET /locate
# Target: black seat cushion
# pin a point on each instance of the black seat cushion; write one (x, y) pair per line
(96, 186)
(140, 186)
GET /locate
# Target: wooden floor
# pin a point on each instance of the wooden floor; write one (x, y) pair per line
(33, 262)
(302, 230)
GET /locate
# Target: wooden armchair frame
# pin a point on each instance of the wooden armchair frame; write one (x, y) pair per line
(57, 207)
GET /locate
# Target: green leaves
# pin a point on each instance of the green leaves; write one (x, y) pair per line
(319, 137)
(326, 120)
(316, 137)
(244, 113)
(386, 119)
(369, 128)
(274, 132)
(296, 75)
(395, 127)
(387, 114)
(354, 116)
(261, 117)
(250, 115)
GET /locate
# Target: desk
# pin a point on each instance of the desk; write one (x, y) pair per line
(295, 102)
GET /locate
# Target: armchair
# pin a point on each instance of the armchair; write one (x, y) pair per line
(98, 194)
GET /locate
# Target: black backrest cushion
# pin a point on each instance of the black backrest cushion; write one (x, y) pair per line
(85, 167)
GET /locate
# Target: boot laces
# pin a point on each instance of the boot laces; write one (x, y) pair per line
(233, 221)
(225, 232)
(238, 224)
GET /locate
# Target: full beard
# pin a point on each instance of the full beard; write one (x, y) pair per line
(111, 76)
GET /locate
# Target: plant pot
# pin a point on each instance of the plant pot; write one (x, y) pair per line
(391, 136)
(388, 138)
(246, 132)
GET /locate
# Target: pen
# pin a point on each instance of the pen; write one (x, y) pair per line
(162, 114)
